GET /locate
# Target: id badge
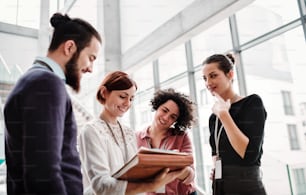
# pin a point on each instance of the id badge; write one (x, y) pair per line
(218, 169)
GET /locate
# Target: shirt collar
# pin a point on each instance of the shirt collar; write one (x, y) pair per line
(54, 66)
(145, 134)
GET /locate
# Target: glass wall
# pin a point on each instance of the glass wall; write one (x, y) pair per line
(216, 39)
(139, 18)
(274, 68)
(22, 13)
(270, 72)
(269, 16)
(270, 47)
(172, 63)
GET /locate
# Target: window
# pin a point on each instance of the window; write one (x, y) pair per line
(206, 134)
(287, 101)
(303, 108)
(203, 97)
(172, 63)
(300, 181)
(273, 14)
(146, 116)
(22, 13)
(144, 81)
(216, 39)
(139, 18)
(293, 137)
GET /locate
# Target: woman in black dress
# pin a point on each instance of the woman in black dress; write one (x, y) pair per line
(236, 131)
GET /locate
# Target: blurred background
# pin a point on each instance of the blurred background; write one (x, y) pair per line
(162, 44)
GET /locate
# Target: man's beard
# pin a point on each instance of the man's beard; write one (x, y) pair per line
(72, 73)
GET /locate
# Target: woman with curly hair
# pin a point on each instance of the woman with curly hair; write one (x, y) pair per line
(106, 144)
(173, 116)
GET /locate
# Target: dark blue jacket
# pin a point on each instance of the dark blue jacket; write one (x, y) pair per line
(40, 137)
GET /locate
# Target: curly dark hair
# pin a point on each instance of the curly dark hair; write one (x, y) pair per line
(185, 105)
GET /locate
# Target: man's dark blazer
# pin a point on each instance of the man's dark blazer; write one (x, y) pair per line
(40, 137)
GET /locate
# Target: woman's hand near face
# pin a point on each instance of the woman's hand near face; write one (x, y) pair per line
(220, 105)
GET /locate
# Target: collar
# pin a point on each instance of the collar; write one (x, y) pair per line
(55, 67)
(145, 134)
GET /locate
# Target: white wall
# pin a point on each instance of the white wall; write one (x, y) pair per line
(18, 50)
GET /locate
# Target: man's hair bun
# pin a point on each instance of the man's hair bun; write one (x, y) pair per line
(58, 19)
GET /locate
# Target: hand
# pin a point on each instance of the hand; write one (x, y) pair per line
(165, 177)
(212, 174)
(220, 105)
(184, 173)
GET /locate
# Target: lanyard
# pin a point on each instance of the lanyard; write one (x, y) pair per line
(217, 136)
(117, 142)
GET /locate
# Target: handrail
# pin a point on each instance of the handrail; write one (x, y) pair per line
(4, 64)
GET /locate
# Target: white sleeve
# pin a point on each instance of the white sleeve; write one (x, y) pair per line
(98, 159)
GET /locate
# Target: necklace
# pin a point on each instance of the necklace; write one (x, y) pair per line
(115, 138)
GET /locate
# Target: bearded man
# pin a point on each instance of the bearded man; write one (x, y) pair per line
(40, 134)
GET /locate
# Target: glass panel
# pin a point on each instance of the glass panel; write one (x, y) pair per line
(216, 39)
(9, 74)
(143, 113)
(204, 104)
(300, 181)
(18, 12)
(139, 17)
(179, 84)
(263, 16)
(293, 138)
(55, 6)
(29, 13)
(143, 76)
(172, 63)
(86, 10)
(287, 102)
(272, 67)
(8, 10)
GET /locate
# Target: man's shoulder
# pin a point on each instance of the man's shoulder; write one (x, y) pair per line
(39, 76)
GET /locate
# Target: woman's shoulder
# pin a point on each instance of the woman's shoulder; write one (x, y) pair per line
(253, 101)
(93, 127)
(254, 98)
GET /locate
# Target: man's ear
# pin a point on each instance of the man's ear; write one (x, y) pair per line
(70, 47)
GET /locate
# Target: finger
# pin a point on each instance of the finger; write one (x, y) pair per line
(163, 173)
(218, 97)
(177, 173)
(228, 101)
(166, 170)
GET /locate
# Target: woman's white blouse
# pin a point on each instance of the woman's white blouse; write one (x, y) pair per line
(101, 156)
